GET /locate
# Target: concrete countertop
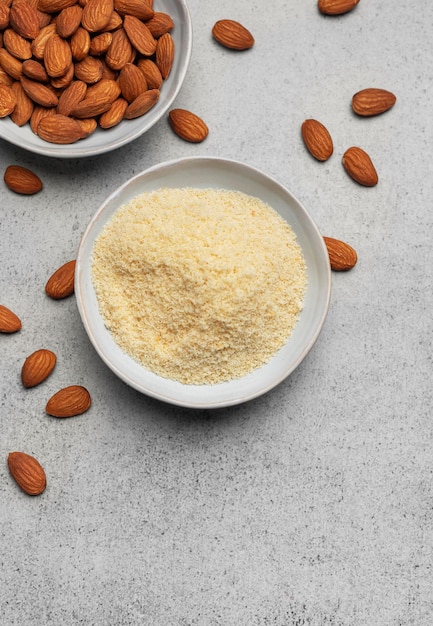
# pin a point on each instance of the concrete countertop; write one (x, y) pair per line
(311, 505)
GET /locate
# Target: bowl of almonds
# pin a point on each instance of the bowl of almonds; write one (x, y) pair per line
(79, 78)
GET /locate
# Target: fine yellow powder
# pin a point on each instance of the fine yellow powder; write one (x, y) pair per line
(199, 285)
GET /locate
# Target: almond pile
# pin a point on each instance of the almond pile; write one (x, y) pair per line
(69, 67)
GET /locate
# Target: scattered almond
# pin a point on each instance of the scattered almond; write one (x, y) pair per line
(336, 7)
(359, 166)
(27, 472)
(61, 284)
(37, 367)
(22, 180)
(372, 101)
(317, 139)
(69, 401)
(188, 125)
(342, 257)
(9, 321)
(233, 35)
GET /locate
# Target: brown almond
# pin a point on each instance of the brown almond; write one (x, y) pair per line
(39, 93)
(57, 56)
(188, 125)
(71, 96)
(39, 43)
(139, 35)
(336, 7)
(114, 23)
(54, 6)
(10, 64)
(37, 367)
(27, 472)
(151, 73)
(137, 8)
(24, 107)
(115, 114)
(342, 257)
(8, 100)
(4, 15)
(165, 54)
(359, 166)
(142, 104)
(232, 34)
(372, 101)
(16, 45)
(92, 106)
(68, 20)
(69, 401)
(59, 129)
(35, 70)
(80, 44)
(61, 284)
(64, 81)
(24, 19)
(88, 126)
(317, 139)
(100, 43)
(38, 114)
(9, 321)
(120, 51)
(160, 24)
(22, 180)
(96, 14)
(105, 88)
(131, 82)
(89, 70)
(5, 79)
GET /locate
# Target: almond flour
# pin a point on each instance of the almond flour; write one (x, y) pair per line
(199, 285)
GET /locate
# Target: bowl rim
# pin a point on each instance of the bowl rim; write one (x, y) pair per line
(83, 261)
(134, 128)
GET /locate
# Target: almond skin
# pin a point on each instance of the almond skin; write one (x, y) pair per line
(24, 19)
(69, 401)
(22, 180)
(59, 129)
(27, 472)
(342, 257)
(164, 55)
(96, 14)
(372, 101)
(37, 367)
(317, 139)
(61, 284)
(9, 321)
(336, 7)
(188, 125)
(359, 166)
(232, 34)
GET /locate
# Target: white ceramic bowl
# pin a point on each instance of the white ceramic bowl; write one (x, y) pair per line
(102, 141)
(222, 174)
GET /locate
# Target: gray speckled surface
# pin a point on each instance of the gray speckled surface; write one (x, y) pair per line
(311, 505)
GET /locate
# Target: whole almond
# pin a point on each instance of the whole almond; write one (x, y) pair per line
(69, 401)
(57, 56)
(37, 367)
(317, 139)
(233, 35)
(105, 88)
(151, 73)
(39, 93)
(24, 19)
(139, 35)
(38, 44)
(160, 24)
(24, 107)
(92, 106)
(9, 321)
(120, 51)
(68, 20)
(35, 70)
(336, 7)
(359, 166)
(96, 14)
(38, 114)
(10, 64)
(342, 257)
(54, 6)
(89, 70)
(71, 96)
(165, 54)
(142, 104)
(115, 114)
(188, 125)
(100, 43)
(131, 82)
(5, 79)
(27, 472)
(80, 44)
(22, 180)
(59, 129)
(372, 101)
(137, 8)
(88, 126)
(64, 81)
(61, 283)
(17, 45)
(8, 100)
(4, 15)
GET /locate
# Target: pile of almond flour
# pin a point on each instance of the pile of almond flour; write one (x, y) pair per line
(199, 285)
